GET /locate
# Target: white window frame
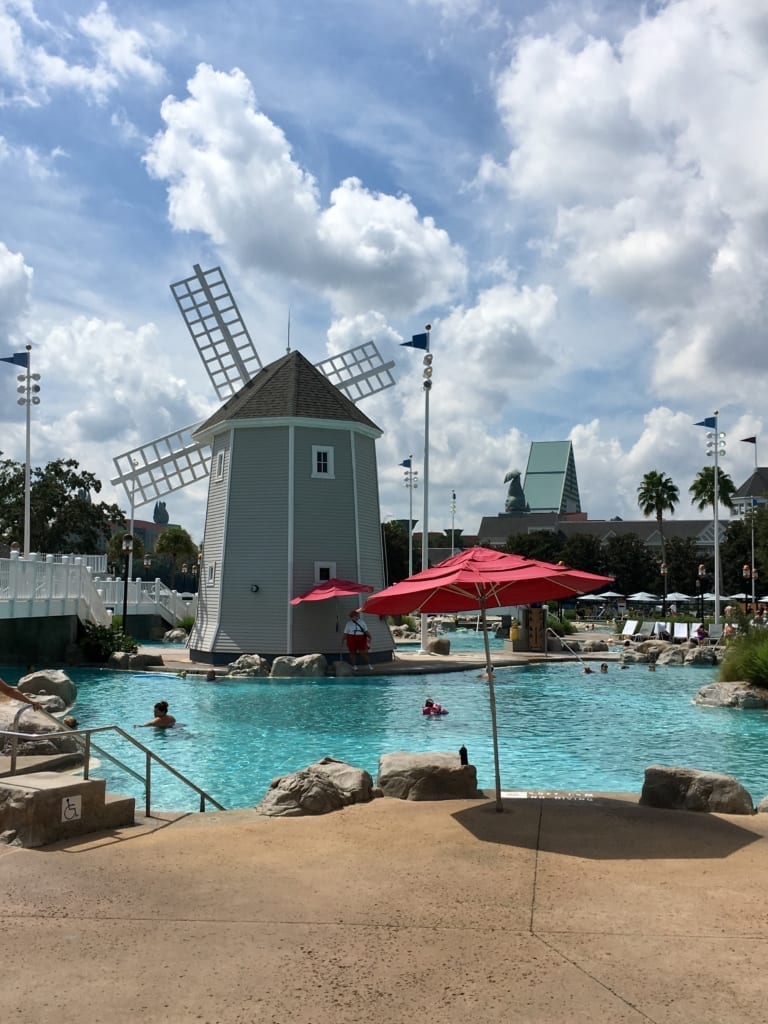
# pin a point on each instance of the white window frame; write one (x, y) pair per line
(211, 573)
(220, 466)
(327, 450)
(321, 568)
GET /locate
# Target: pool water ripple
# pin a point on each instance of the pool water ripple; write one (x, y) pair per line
(558, 728)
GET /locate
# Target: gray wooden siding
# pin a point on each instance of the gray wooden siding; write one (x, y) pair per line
(252, 546)
(256, 551)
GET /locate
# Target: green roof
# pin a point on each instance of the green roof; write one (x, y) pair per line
(551, 484)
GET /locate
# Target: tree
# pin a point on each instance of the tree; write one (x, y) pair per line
(63, 516)
(656, 495)
(115, 554)
(584, 552)
(631, 564)
(702, 490)
(395, 536)
(546, 545)
(176, 545)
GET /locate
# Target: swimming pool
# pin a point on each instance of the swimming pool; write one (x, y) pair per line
(558, 729)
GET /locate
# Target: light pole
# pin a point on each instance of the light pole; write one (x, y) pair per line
(127, 552)
(664, 571)
(147, 565)
(421, 341)
(702, 572)
(715, 449)
(453, 518)
(749, 572)
(411, 480)
(29, 397)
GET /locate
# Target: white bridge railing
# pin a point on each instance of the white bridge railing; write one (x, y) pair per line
(64, 585)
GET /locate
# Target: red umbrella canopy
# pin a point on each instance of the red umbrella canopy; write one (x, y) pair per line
(333, 588)
(482, 578)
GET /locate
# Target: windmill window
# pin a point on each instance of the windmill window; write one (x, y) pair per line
(324, 571)
(220, 465)
(322, 462)
(211, 574)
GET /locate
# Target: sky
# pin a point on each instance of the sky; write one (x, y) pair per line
(574, 195)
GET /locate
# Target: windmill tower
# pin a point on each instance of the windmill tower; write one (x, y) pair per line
(292, 485)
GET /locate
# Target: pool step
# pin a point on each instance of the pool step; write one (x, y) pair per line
(41, 807)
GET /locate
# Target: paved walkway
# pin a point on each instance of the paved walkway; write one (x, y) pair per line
(558, 911)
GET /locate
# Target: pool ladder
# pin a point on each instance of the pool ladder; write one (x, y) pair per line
(84, 738)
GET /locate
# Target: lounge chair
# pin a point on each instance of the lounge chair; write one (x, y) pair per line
(630, 628)
(715, 634)
(680, 633)
(662, 627)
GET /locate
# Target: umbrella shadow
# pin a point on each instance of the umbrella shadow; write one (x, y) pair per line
(606, 828)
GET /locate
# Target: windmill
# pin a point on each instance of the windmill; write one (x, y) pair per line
(292, 483)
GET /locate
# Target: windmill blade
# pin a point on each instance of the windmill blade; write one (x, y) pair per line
(358, 372)
(161, 466)
(220, 336)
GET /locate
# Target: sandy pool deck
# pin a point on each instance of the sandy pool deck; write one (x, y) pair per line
(561, 909)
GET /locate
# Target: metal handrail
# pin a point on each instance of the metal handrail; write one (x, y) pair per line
(563, 643)
(145, 780)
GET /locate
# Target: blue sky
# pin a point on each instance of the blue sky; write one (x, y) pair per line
(574, 195)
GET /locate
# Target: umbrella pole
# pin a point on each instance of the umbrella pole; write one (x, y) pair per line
(492, 702)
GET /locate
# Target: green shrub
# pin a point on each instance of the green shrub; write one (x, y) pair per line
(746, 658)
(99, 642)
(554, 624)
(186, 622)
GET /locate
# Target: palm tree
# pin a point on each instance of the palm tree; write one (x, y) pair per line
(702, 490)
(656, 495)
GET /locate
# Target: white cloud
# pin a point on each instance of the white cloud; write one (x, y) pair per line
(233, 176)
(646, 154)
(15, 288)
(36, 59)
(121, 49)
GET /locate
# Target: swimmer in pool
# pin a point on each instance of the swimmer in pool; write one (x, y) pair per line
(162, 719)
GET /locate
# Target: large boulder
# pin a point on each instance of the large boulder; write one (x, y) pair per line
(248, 666)
(48, 737)
(307, 666)
(50, 681)
(175, 636)
(134, 662)
(320, 788)
(732, 695)
(439, 645)
(672, 655)
(689, 789)
(434, 776)
(594, 646)
(700, 655)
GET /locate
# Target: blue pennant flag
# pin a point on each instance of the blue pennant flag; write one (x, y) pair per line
(418, 341)
(406, 463)
(18, 358)
(710, 422)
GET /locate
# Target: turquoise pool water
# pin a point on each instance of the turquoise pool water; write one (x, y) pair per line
(558, 729)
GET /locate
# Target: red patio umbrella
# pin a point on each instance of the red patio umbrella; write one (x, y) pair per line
(475, 580)
(333, 588)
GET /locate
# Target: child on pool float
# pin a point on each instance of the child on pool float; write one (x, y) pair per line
(431, 708)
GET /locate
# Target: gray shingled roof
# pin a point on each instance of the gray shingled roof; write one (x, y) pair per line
(754, 487)
(289, 387)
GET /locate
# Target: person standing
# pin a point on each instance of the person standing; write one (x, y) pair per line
(357, 639)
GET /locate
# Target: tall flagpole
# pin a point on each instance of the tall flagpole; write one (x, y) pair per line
(716, 448)
(427, 384)
(421, 341)
(28, 388)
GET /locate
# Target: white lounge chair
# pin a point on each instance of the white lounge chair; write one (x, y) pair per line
(680, 634)
(661, 627)
(630, 628)
(715, 634)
